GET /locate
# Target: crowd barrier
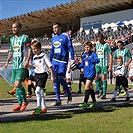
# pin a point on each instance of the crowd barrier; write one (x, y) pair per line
(110, 77)
(75, 74)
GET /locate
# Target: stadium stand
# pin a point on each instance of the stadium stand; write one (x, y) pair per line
(122, 33)
(70, 14)
(37, 23)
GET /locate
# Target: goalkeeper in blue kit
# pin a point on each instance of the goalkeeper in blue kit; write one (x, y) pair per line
(59, 56)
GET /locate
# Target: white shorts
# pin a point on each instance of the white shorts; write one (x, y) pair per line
(130, 73)
(68, 75)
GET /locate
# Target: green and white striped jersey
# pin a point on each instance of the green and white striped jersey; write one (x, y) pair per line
(19, 47)
(125, 53)
(102, 50)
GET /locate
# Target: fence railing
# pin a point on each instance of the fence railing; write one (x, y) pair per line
(75, 74)
(110, 77)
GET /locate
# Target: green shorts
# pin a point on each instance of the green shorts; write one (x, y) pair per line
(19, 75)
(101, 70)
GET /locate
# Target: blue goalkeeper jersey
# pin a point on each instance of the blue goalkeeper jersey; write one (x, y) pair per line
(61, 46)
(88, 64)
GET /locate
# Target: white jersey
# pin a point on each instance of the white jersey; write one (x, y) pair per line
(121, 70)
(42, 63)
(131, 69)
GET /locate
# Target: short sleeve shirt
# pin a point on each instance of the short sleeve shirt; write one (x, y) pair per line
(19, 47)
(125, 53)
(102, 50)
(42, 63)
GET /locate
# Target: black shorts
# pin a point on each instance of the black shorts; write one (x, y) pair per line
(32, 78)
(41, 79)
(82, 78)
(27, 72)
(90, 78)
(122, 80)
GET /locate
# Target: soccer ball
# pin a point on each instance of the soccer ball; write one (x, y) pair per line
(73, 66)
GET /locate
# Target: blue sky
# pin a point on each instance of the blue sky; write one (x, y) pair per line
(11, 8)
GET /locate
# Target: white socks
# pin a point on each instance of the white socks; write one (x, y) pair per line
(127, 92)
(115, 94)
(40, 98)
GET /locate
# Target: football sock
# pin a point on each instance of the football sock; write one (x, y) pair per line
(18, 95)
(69, 85)
(92, 95)
(38, 95)
(22, 93)
(127, 93)
(57, 90)
(29, 90)
(43, 103)
(98, 85)
(86, 96)
(104, 87)
(33, 87)
(115, 94)
(64, 84)
(120, 88)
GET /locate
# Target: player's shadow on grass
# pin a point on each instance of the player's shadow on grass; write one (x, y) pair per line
(65, 114)
(8, 101)
(67, 111)
(41, 117)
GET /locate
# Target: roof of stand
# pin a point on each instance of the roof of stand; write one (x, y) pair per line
(39, 22)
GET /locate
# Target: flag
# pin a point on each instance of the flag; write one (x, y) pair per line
(6, 74)
(120, 23)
